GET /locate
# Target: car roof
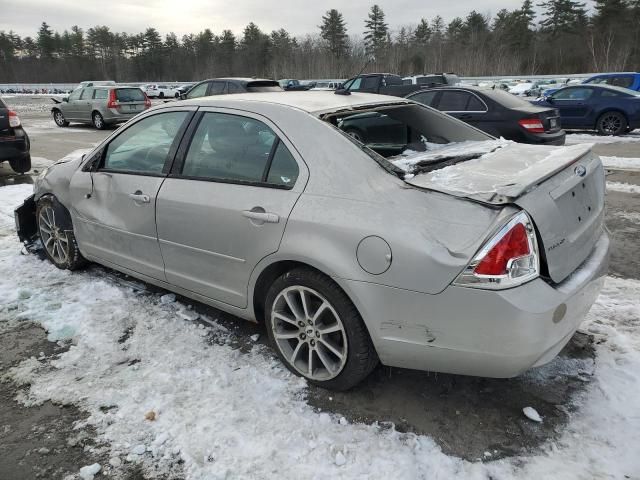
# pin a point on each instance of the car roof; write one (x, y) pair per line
(314, 102)
(240, 79)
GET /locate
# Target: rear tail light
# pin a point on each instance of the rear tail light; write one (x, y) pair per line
(147, 102)
(508, 259)
(14, 119)
(533, 125)
(112, 102)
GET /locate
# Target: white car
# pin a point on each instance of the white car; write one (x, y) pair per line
(155, 90)
(327, 85)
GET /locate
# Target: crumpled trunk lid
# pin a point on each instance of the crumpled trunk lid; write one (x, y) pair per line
(562, 189)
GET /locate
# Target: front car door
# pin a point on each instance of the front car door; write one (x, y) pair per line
(226, 203)
(85, 104)
(71, 106)
(113, 208)
(574, 104)
(217, 88)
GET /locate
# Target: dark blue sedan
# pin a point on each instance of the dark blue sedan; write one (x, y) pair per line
(609, 110)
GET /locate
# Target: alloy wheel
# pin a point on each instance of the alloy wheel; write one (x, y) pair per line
(309, 333)
(59, 118)
(611, 124)
(54, 239)
(97, 120)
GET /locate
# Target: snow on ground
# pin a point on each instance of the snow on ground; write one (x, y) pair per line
(621, 162)
(228, 414)
(623, 187)
(574, 138)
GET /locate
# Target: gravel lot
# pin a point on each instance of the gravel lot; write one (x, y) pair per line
(474, 419)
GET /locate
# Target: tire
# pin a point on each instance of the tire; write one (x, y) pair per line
(611, 123)
(56, 233)
(177, 95)
(161, 95)
(330, 330)
(355, 134)
(21, 165)
(98, 120)
(58, 118)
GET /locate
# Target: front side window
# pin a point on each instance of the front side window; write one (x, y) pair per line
(87, 94)
(426, 98)
(144, 146)
(238, 149)
(75, 95)
(198, 90)
(217, 88)
(573, 94)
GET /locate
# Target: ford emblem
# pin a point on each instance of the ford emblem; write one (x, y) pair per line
(580, 170)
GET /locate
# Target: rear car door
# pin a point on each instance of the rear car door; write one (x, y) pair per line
(114, 206)
(575, 106)
(225, 205)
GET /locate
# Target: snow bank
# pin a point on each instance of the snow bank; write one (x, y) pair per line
(242, 415)
(574, 138)
(621, 162)
(623, 187)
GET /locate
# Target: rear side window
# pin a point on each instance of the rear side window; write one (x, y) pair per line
(238, 149)
(129, 95)
(475, 105)
(101, 94)
(145, 145)
(369, 83)
(233, 88)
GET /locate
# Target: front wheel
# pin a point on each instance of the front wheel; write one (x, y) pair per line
(21, 165)
(56, 233)
(58, 117)
(98, 121)
(317, 332)
(611, 123)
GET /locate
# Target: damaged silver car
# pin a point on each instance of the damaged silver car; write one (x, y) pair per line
(432, 247)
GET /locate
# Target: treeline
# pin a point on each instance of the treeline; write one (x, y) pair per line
(563, 39)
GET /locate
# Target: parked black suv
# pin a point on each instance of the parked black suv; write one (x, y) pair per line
(14, 141)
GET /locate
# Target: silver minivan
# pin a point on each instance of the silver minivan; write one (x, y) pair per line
(100, 106)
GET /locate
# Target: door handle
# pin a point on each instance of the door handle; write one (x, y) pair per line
(138, 196)
(261, 216)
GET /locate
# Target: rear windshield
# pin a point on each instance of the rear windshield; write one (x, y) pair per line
(263, 86)
(129, 95)
(506, 99)
(430, 79)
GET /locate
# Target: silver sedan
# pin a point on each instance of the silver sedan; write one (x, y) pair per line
(433, 246)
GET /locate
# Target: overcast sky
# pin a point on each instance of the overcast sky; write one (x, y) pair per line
(191, 16)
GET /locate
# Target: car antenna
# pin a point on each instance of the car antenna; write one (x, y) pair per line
(345, 91)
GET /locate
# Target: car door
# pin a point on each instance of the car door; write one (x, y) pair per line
(575, 106)
(71, 106)
(226, 203)
(85, 104)
(114, 206)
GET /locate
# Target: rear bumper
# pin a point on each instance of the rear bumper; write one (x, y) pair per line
(25, 217)
(478, 332)
(14, 146)
(113, 116)
(556, 138)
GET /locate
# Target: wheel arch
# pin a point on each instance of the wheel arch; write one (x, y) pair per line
(608, 110)
(270, 272)
(59, 209)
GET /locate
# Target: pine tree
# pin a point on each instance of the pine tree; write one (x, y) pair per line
(375, 35)
(46, 41)
(334, 32)
(422, 33)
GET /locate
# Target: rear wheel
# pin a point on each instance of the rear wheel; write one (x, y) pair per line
(58, 117)
(161, 95)
(21, 165)
(98, 120)
(317, 331)
(56, 233)
(611, 123)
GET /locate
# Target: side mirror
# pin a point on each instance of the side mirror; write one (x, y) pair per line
(549, 99)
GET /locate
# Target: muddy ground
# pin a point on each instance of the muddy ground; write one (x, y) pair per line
(470, 417)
